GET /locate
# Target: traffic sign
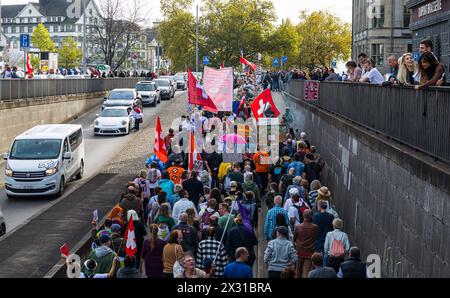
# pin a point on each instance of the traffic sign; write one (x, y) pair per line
(206, 60)
(334, 64)
(276, 63)
(24, 40)
(416, 56)
(285, 59)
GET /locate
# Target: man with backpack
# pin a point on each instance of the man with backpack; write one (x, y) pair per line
(205, 214)
(336, 246)
(131, 202)
(296, 210)
(104, 256)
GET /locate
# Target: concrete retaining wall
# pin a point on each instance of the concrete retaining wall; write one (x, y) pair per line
(18, 116)
(394, 201)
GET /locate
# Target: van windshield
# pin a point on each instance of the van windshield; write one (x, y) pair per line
(35, 149)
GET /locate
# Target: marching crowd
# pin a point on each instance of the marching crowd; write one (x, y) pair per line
(202, 221)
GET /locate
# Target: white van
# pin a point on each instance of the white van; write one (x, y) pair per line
(43, 159)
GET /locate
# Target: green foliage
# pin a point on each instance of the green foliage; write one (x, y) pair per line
(69, 54)
(41, 39)
(324, 38)
(34, 59)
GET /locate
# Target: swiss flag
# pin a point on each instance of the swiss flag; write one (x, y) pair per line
(29, 67)
(197, 96)
(261, 103)
(193, 154)
(160, 145)
(246, 62)
(130, 238)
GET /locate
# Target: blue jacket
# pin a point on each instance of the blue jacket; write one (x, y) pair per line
(238, 270)
(167, 185)
(298, 166)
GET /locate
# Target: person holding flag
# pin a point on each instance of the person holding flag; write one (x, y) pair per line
(262, 103)
(160, 145)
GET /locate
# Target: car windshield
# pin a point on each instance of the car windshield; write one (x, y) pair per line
(35, 149)
(179, 78)
(121, 95)
(162, 83)
(145, 87)
(114, 113)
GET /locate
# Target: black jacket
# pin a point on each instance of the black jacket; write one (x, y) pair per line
(354, 268)
(194, 189)
(240, 237)
(190, 236)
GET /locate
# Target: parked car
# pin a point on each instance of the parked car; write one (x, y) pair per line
(2, 225)
(148, 92)
(181, 82)
(122, 98)
(43, 159)
(113, 121)
(172, 82)
(165, 87)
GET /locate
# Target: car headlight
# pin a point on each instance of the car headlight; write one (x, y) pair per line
(51, 171)
(8, 172)
(97, 122)
(124, 122)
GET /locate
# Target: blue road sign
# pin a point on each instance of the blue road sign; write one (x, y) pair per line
(285, 59)
(334, 64)
(276, 63)
(416, 56)
(205, 60)
(24, 40)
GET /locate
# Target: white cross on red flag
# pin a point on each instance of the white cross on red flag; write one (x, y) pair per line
(130, 238)
(261, 103)
(160, 145)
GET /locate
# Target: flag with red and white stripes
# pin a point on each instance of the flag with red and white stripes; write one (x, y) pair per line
(194, 156)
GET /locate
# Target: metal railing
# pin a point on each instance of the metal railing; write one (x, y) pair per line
(20, 89)
(420, 119)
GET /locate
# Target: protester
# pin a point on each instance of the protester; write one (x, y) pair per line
(211, 252)
(129, 270)
(353, 267)
(194, 187)
(324, 222)
(190, 271)
(172, 252)
(270, 222)
(131, 202)
(319, 270)
(239, 268)
(182, 205)
(152, 253)
(280, 253)
(139, 233)
(305, 236)
(164, 216)
(104, 256)
(336, 245)
(90, 267)
(190, 235)
(241, 237)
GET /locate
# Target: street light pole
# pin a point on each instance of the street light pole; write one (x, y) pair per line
(196, 39)
(84, 37)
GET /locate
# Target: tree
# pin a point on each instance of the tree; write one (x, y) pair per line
(118, 29)
(69, 53)
(41, 39)
(283, 41)
(323, 39)
(176, 33)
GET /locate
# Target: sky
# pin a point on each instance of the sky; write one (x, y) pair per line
(285, 8)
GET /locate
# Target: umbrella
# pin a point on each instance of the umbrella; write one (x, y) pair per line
(233, 138)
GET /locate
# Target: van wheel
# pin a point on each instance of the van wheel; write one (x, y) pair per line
(80, 174)
(61, 187)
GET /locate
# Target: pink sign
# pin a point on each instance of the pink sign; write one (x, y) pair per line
(218, 85)
(311, 90)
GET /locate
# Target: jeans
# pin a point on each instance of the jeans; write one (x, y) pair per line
(136, 124)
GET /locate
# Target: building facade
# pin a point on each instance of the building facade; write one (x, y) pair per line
(381, 28)
(61, 18)
(431, 20)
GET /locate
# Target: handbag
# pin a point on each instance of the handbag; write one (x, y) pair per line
(177, 268)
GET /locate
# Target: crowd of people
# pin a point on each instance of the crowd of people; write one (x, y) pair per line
(203, 222)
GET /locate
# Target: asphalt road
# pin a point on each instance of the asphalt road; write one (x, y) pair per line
(99, 149)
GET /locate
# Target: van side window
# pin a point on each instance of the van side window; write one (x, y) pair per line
(66, 146)
(76, 139)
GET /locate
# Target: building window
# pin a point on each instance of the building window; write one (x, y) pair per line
(406, 17)
(378, 20)
(22, 29)
(30, 29)
(378, 54)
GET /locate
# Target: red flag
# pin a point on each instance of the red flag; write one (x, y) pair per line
(160, 145)
(246, 62)
(193, 154)
(130, 238)
(29, 67)
(64, 250)
(197, 96)
(261, 103)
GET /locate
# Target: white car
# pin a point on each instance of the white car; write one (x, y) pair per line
(113, 121)
(2, 225)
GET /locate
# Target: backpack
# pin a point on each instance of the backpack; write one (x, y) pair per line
(300, 210)
(153, 176)
(337, 248)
